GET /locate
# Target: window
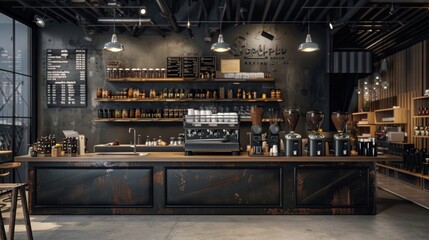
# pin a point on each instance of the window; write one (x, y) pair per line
(15, 85)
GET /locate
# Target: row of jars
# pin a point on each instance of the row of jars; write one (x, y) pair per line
(187, 93)
(136, 73)
(421, 130)
(423, 111)
(142, 113)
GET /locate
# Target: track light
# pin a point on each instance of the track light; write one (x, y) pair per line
(142, 11)
(334, 24)
(39, 21)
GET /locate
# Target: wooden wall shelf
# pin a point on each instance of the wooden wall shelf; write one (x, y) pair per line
(391, 116)
(419, 175)
(186, 100)
(190, 80)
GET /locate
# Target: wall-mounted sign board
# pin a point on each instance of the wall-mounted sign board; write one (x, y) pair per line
(66, 77)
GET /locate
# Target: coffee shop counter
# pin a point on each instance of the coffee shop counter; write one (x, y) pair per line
(171, 183)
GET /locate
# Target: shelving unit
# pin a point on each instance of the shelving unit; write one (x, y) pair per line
(365, 123)
(409, 185)
(244, 120)
(186, 100)
(420, 121)
(391, 116)
(190, 79)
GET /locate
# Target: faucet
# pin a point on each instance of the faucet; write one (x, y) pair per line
(134, 138)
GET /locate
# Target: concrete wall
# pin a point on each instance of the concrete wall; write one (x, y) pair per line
(300, 76)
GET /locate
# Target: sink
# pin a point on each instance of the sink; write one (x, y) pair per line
(122, 154)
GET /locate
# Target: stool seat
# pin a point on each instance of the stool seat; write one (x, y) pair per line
(10, 165)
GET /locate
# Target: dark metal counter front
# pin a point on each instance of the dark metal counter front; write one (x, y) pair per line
(259, 186)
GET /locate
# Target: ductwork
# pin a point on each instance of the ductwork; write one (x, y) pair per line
(165, 12)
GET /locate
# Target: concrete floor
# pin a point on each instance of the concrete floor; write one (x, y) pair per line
(397, 219)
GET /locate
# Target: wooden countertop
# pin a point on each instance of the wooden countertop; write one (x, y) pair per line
(5, 152)
(180, 157)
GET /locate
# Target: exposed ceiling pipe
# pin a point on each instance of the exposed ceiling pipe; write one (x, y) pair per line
(165, 11)
(350, 14)
(124, 20)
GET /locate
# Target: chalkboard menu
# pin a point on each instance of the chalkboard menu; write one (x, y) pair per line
(174, 67)
(66, 77)
(190, 67)
(207, 64)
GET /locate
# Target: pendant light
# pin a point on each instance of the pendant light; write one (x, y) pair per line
(220, 45)
(114, 45)
(308, 45)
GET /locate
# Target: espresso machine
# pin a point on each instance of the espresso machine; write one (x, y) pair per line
(256, 113)
(316, 138)
(341, 139)
(293, 140)
(274, 129)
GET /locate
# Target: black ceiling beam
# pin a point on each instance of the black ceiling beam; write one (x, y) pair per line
(266, 8)
(251, 8)
(204, 9)
(325, 10)
(350, 14)
(279, 8)
(416, 30)
(42, 13)
(217, 5)
(300, 11)
(318, 2)
(237, 12)
(165, 11)
(291, 9)
(362, 40)
(415, 20)
(228, 9)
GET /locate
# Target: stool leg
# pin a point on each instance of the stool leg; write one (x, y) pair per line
(26, 214)
(13, 213)
(2, 230)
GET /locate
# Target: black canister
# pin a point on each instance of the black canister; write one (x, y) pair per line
(100, 113)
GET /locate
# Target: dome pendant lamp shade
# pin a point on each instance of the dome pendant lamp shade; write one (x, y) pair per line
(308, 45)
(220, 46)
(114, 45)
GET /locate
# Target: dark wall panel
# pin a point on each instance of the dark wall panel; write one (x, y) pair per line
(300, 76)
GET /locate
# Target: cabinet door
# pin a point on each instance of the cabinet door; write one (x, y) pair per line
(335, 186)
(223, 187)
(97, 187)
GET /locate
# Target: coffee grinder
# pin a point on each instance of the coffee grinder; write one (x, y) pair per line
(293, 140)
(316, 139)
(256, 113)
(341, 139)
(274, 129)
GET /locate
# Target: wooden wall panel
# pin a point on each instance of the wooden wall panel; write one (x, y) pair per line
(408, 77)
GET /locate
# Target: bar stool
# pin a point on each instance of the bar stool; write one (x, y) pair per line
(9, 167)
(16, 188)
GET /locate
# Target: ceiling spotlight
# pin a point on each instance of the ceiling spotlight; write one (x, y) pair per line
(39, 21)
(142, 11)
(333, 25)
